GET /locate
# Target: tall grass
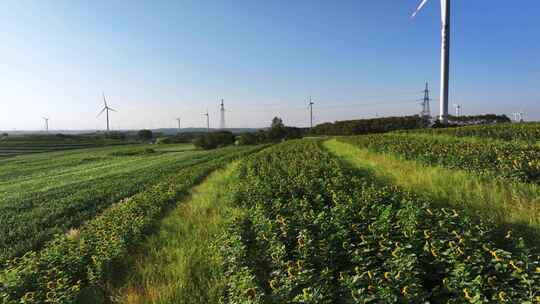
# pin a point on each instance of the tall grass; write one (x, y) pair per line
(179, 263)
(510, 204)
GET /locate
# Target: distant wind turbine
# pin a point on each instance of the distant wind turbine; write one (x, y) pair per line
(445, 55)
(46, 119)
(310, 106)
(207, 120)
(178, 119)
(106, 108)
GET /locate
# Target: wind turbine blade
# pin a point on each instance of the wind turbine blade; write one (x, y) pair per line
(112, 109)
(419, 8)
(101, 112)
(104, 100)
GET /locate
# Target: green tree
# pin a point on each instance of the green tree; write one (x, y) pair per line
(277, 130)
(277, 123)
(145, 134)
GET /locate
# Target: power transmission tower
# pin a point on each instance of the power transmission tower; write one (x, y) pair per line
(426, 109)
(458, 110)
(222, 115)
(310, 105)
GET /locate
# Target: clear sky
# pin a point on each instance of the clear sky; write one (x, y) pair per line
(157, 60)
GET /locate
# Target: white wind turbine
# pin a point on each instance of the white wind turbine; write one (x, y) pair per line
(445, 55)
(46, 120)
(106, 109)
(179, 125)
(207, 120)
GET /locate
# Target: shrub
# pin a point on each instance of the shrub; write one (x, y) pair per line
(276, 133)
(114, 135)
(214, 140)
(183, 138)
(479, 119)
(164, 141)
(247, 139)
(369, 126)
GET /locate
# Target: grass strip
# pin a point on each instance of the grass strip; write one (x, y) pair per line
(489, 157)
(179, 263)
(511, 204)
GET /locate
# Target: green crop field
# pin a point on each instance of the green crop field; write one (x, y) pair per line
(49, 193)
(28, 144)
(528, 132)
(438, 216)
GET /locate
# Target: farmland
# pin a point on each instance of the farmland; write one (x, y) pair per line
(440, 216)
(41, 197)
(315, 232)
(29, 144)
(505, 159)
(527, 132)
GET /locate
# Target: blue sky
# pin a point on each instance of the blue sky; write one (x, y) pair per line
(157, 60)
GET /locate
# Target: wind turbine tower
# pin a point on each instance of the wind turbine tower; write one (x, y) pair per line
(445, 55)
(106, 109)
(179, 126)
(207, 120)
(310, 105)
(222, 115)
(46, 124)
(426, 110)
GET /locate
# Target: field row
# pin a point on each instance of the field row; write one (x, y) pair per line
(31, 144)
(34, 208)
(79, 262)
(316, 232)
(510, 160)
(34, 166)
(528, 132)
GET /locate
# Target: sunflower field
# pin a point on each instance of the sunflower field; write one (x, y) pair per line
(505, 159)
(315, 231)
(528, 132)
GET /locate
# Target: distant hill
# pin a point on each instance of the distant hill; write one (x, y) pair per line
(174, 131)
(165, 131)
(34, 132)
